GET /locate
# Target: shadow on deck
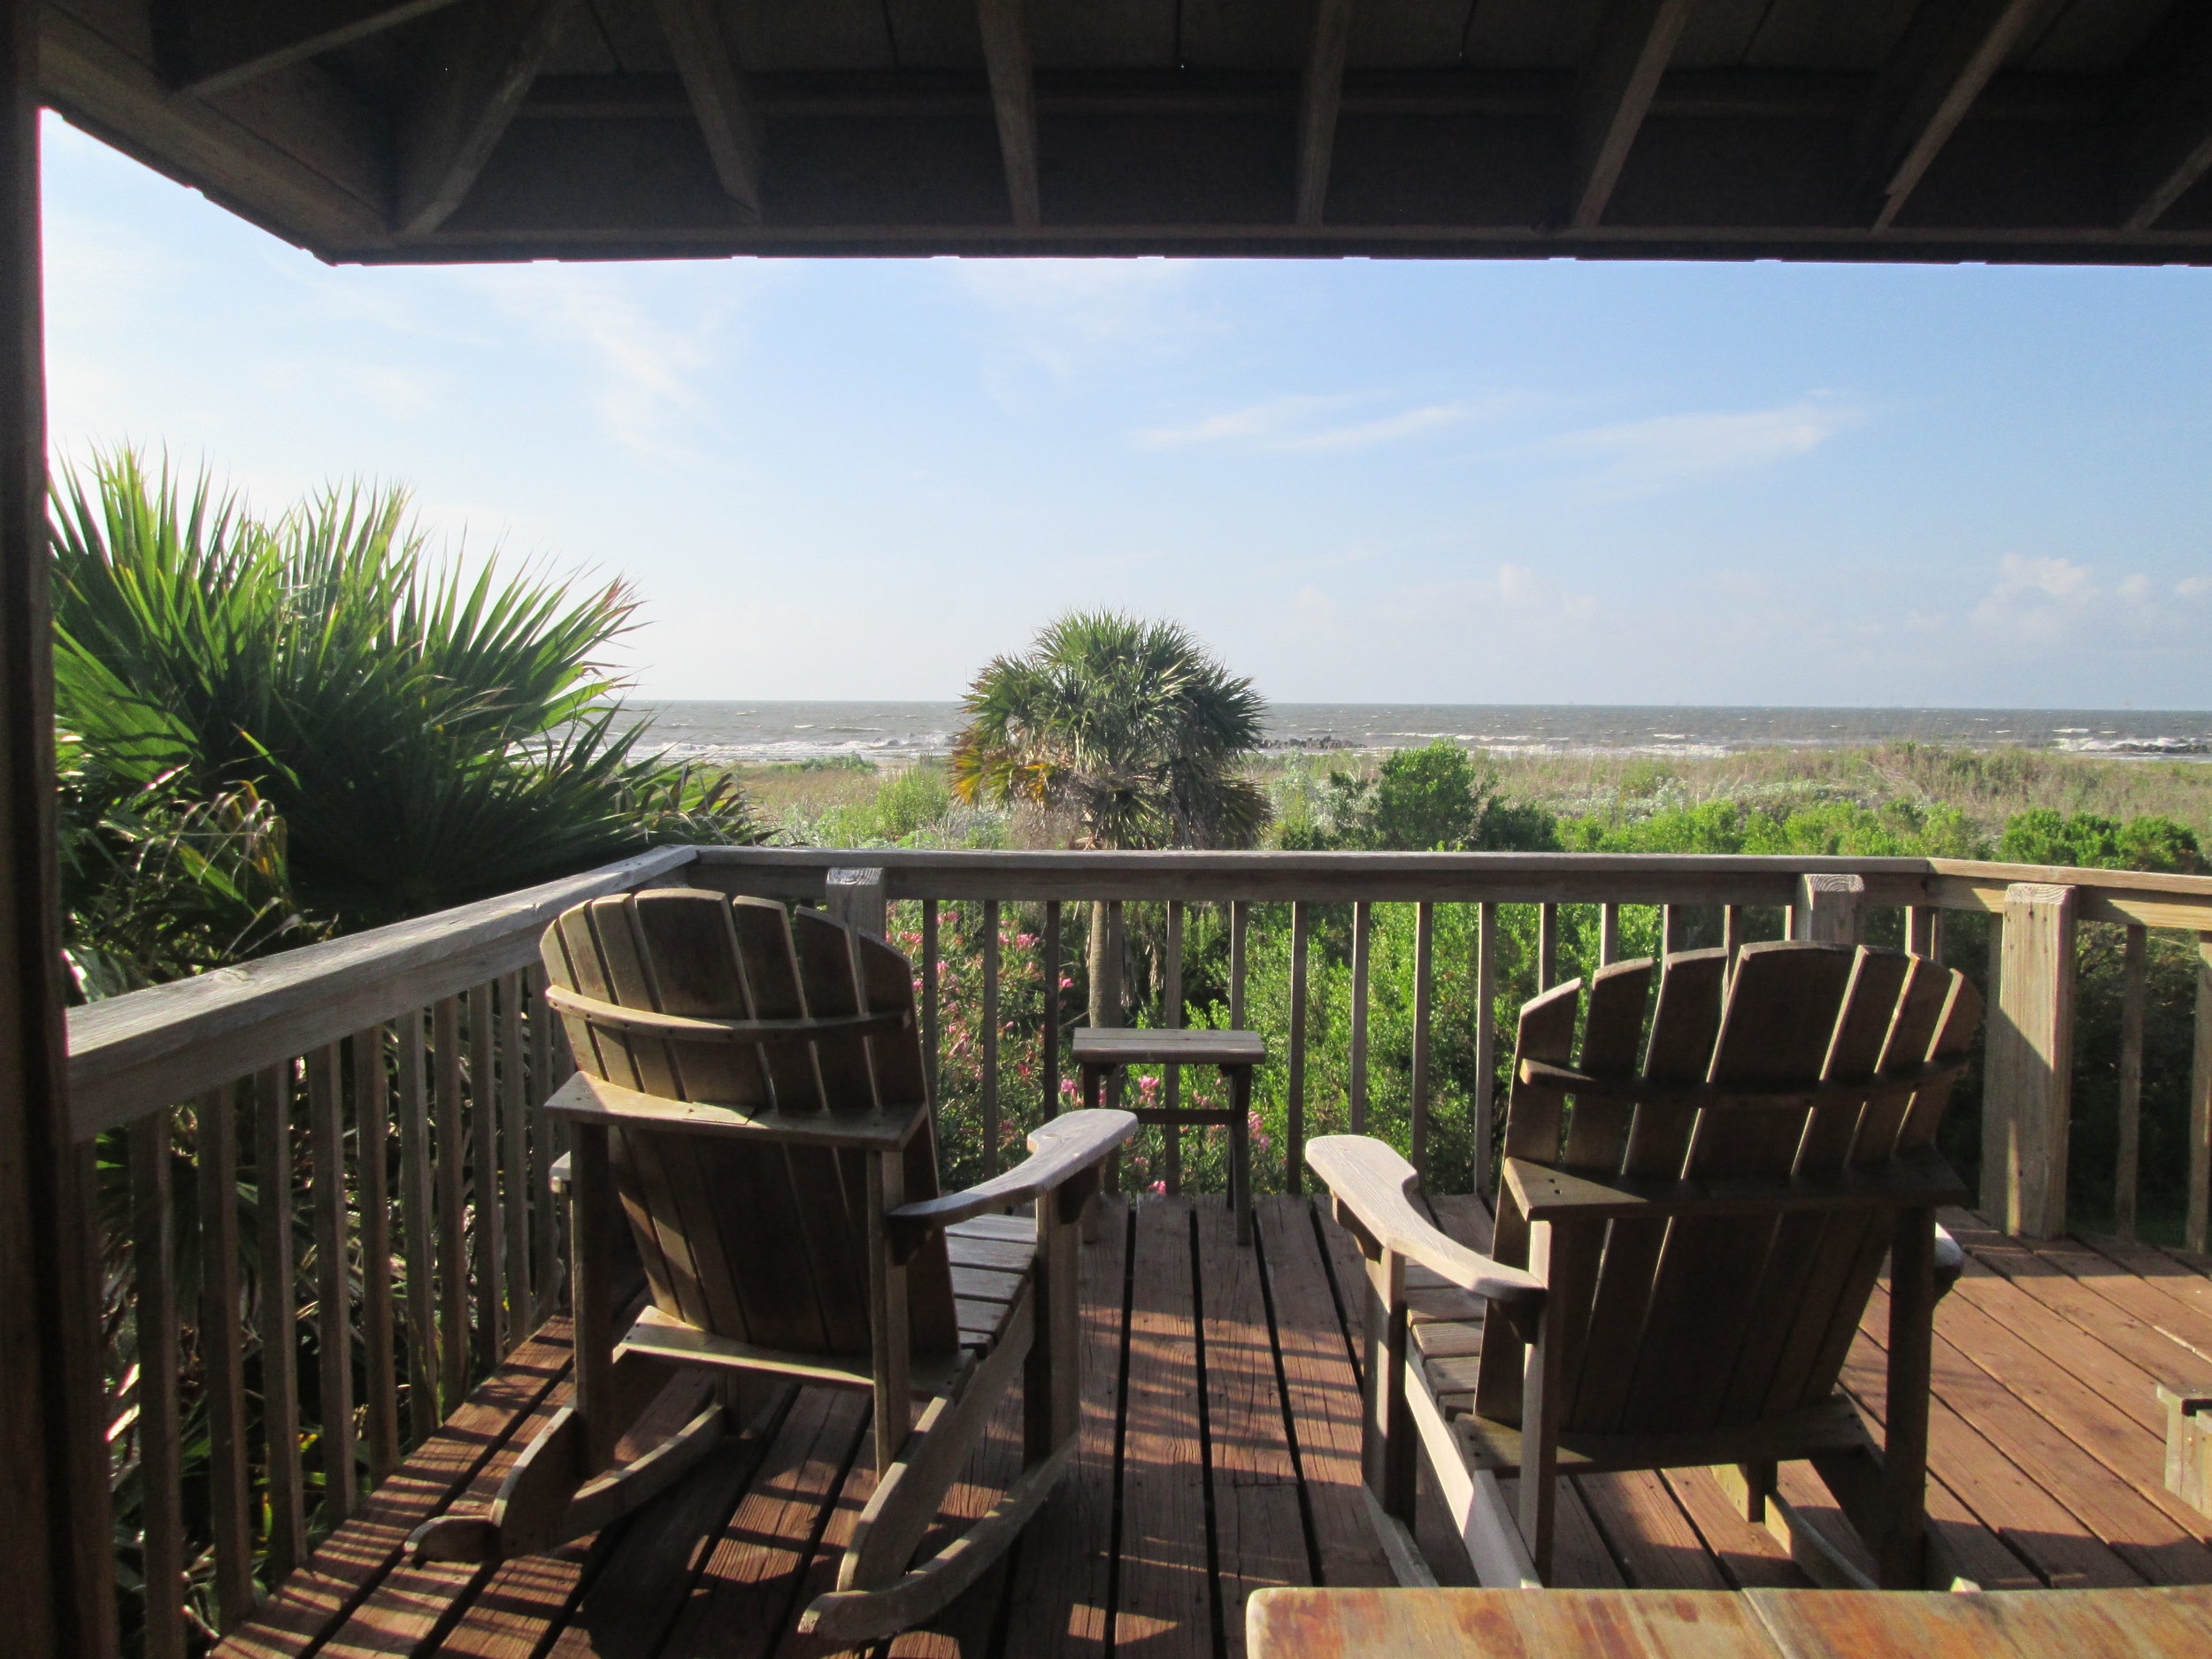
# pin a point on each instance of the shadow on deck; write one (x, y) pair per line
(1221, 1454)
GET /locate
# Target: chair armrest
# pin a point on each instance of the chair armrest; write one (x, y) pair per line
(1373, 1183)
(1919, 1179)
(1058, 1151)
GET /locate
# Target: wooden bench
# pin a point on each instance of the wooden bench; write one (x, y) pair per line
(1102, 1050)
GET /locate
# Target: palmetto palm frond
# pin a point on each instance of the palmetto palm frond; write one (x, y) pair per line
(1131, 726)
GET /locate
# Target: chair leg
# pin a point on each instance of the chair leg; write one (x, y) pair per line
(1900, 1549)
(1241, 1152)
(1543, 1377)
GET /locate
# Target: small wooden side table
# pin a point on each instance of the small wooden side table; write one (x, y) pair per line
(1102, 1050)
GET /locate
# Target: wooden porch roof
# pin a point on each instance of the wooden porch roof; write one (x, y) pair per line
(441, 130)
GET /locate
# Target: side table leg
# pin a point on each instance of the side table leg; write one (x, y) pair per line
(1240, 1149)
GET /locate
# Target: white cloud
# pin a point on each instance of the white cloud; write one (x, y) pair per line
(1667, 449)
(1281, 427)
(2050, 601)
(1067, 314)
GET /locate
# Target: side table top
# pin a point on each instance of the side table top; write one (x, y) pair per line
(1115, 1045)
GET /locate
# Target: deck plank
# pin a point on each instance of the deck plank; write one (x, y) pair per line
(358, 1555)
(1255, 1485)
(967, 1628)
(1164, 1605)
(1749, 1557)
(1322, 1391)
(1649, 1534)
(1062, 1569)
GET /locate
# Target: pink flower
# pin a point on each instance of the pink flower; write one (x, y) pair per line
(1066, 984)
(1158, 1186)
(1148, 1087)
(1259, 1136)
(1025, 940)
(1067, 1088)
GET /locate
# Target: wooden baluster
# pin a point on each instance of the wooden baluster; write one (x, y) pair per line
(548, 1142)
(1050, 945)
(1486, 1037)
(1423, 1002)
(1171, 1016)
(2030, 1062)
(487, 1240)
(279, 1319)
(1732, 931)
(372, 1117)
(1924, 932)
(334, 1289)
(1240, 924)
(1674, 928)
(160, 1451)
(989, 1048)
(416, 1212)
(1294, 1115)
(1546, 947)
(222, 1345)
(932, 1030)
(1362, 944)
(450, 1157)
(514, 1111)
(2200, 1105)
(2134, 982)
(1608, 933)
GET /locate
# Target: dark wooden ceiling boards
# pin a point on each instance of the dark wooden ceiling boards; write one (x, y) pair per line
(2062, 131)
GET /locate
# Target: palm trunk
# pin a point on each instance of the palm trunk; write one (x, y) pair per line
(1105, 955)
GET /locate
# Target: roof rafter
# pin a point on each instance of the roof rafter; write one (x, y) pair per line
(1614, 93)
(1007, 54)
(721, 98)
(1320, 98)
(469, 85)
(210, 45)
(1939, 65)
(2161, 122)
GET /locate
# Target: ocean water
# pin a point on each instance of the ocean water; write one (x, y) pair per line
(900, 733)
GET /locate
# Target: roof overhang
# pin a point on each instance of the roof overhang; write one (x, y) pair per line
(436, 131)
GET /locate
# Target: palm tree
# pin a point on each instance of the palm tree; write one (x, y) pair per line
(1130, 727)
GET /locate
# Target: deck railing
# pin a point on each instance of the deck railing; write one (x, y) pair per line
(329, 1216)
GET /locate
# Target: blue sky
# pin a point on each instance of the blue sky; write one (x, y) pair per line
(1360, 480)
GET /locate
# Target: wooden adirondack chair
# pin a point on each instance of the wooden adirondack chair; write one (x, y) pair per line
(751, 1090)
(1681, 1258)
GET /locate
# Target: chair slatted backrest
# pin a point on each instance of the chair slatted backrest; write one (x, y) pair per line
(1719, 1321)
(760, 1240)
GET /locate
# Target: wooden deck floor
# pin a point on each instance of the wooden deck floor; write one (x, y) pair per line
(1220, 1454)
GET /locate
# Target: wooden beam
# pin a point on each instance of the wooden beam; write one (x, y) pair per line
(2027, 1104)
(2161, 123)
(721, 98)
(1615, 93)
(207, 45)
(1939, 65)
(468, 87)
(1006, 52)
(1319, 99)
(57, 1595)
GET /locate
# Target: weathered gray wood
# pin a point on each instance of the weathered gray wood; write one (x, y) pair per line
(721, 97)
(418, 1226)
(988, 1022)
(222, 1352)
(451, 1163)
(1239, 924)
(372, 1117)
(1674, 928)
(2194, 1227)
(1424, 1017)
(545, 1149)
(132, 1053)
(468, 86)
(1048, 1073)
(1485, 1103)
(1006, 57)
(1295, 1087)
(2134, 985)
(1321, 94)
(1929, 81)
(1829, 909)
(333, 1277)
(1362, 945)
(1613, 95)
(1172, 1017)
(1546, 947)
(2029, 1064)
(932, 1032)
(160, 1450)
(487, 1242)
(1158, 1045)
(514, 1147)
(277, 1320)
(1608, 933)
(1924, 932)
(1370, 1184)
(857, 897)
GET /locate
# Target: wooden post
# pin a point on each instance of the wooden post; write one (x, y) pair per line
(2028, 1108)
(1608, 933)
(2200, 1105)
(1050, 946)
(1363, 940)
(856, 898)
(1924, 932)
(987, 1019)
(2134, 977)
(930, 1028)
(1827, 909)
(1486, 1035)
(223, 1346)
(1905, 1415)
(1295, 1112)
(160, 1450)
(58, 1594)
(1424, 1010)
(1547, 948)
(1172, 1017)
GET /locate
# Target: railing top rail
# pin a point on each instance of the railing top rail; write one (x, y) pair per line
(130, 1055)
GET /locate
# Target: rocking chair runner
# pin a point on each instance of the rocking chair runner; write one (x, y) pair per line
(1681, 1259)
(751, 1088)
